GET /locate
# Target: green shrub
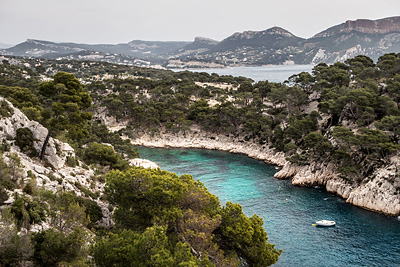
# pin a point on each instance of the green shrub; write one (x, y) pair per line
(105, 156)
(93, 210)
(55, 248)
(86, 191)
(15, 168)
(24, 140)
(72, 161)
(8, 183)
(5, 146)
(20, 212)
(30, 187)
(30, 174)
(3, 194)
(52, 177)
(5, 110)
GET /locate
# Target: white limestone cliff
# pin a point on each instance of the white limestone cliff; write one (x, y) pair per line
(52, 173)
(379, 194)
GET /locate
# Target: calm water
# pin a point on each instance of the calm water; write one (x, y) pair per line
(278, 73)
(360, 238)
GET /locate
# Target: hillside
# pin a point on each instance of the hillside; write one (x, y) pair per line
(272, 46)
(372, 38)
(82, 201)
(352, 38)
(336, 128)
(137, 53)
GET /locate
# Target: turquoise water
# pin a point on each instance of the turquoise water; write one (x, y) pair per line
(360, 238)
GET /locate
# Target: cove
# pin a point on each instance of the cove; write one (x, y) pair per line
(360, 238)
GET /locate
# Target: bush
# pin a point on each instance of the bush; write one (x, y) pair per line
(24, 140)
(3, 194)
(54, 247)
(5, 110)
(86, 191)
(27, 211)
(93, 210)
(15, 168)
(72, 161)
(15, 248)
(30, 187)
(5, 146)
(105, 156)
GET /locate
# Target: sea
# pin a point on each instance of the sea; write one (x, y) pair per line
(273, 73)
(360, 237)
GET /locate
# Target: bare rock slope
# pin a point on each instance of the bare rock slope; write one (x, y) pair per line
(378, 194)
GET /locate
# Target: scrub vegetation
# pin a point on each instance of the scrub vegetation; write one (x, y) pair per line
(345, 113)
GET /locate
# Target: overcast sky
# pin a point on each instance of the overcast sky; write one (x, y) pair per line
(121, 21)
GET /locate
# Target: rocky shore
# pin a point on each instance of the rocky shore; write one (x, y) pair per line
(379, 194)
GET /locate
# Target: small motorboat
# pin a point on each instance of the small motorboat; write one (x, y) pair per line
(325, 223)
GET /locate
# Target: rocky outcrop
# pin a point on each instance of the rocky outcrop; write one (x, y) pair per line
(379, 194)
(145, 163)
(56, 151)
(198, 139)
(52, 173)
(381, 26)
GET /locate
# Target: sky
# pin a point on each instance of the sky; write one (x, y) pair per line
(121, 21)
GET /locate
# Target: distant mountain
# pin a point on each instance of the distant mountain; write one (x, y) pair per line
(36, 48)
(199, 45)
(155, 48)
(4, 46)
(372, 38)
(273, 38)
(102, 56)
(250, 48)
(152, 51)
(271, 46)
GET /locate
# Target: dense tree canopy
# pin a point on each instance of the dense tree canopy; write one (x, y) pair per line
(65, 102)
(344, 114)
(184, 218)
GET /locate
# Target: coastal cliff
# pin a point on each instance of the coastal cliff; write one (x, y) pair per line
(53, 173)
(378, 194)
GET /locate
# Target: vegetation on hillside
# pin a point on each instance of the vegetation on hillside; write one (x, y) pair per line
(346, 114)
(161, 219)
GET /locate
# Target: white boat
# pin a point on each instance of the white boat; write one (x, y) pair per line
(325, 223)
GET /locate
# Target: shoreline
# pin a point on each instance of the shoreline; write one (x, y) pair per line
(377, 195)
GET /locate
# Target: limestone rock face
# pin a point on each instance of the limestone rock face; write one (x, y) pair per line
(56, 151)
(381, 26)
(55, 178)
(199, 139)
(145, 163)
(379, 194)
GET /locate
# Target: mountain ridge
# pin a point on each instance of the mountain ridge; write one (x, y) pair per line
(273, 46)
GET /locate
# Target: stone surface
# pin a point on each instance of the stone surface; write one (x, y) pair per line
(145, 163)
(375, 195)
(55, 153)
(56, 177)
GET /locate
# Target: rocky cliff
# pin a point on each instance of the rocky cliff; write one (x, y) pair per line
(381, 26)
(372, 38)
(379, 194)
(52, 173)
(275, 45)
